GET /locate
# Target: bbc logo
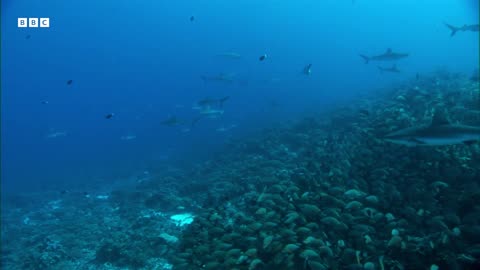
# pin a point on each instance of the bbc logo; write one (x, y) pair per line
(34, 22)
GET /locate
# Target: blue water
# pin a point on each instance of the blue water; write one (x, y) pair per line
(143, 61)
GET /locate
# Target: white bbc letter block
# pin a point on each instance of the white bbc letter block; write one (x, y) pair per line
(45, 22)
(32, 22)
(22, 22)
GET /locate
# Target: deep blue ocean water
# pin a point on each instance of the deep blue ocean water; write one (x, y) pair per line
(143, 61)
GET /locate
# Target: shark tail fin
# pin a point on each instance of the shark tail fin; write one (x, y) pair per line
(365, 58)
(452, 28)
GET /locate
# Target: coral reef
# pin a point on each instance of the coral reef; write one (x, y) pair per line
(325, 193)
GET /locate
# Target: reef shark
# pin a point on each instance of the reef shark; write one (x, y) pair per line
(439, 132)
(389, 55)
(210, 102)
(472, 27)
(392, 69)
(211, 113)
(171, 121)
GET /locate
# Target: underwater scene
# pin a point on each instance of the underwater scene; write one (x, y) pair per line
(240, 135)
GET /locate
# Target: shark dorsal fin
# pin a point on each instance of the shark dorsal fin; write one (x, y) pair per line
(439, 118)
(389, 51)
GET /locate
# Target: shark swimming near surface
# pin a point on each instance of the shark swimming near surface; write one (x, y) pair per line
(389, 55)
(439, 132)
(454, 29)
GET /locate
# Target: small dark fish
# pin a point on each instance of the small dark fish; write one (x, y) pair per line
(109, 116)
(263, 57)
(192, 18)
(45, 102)
(307, 70)
(28, 36)
(63, 192)
(69, 82)
(86, 194)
